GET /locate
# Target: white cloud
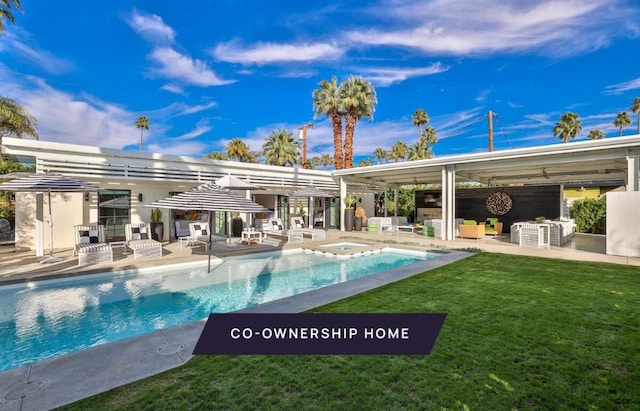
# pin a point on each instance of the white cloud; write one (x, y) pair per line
(176, 66)
(19, 42)
(467, 27)
(172, 88)
(387, 76)
(201, 128)
(265, 53)
(622, 87)
(151, 27)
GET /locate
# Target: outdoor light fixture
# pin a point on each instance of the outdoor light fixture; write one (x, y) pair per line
(139, 196)
(86, 196)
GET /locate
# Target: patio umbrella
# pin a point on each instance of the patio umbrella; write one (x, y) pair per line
(234, 183)
(311, 193)
(210, 197)
(48, 183)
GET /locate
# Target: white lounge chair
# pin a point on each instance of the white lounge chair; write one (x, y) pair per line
(199, 234)
(275, 228)
(297, 224)
(91, 246)
(139, 240)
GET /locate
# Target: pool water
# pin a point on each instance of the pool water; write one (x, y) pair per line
(50, 318)
(343, 246)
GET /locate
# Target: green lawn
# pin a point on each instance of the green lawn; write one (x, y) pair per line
(521, 333)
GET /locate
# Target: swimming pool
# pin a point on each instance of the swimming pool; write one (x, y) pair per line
(343, 246)
(50, 318)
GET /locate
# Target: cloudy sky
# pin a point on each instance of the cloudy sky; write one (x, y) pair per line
(208, 71)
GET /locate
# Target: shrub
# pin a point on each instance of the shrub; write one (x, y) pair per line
(590, 215)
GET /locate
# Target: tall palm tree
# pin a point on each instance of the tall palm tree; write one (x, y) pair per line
(622, 120)
(6, 12)
(316, 161)
(217, 155)
(238, 150)
(326, 102)
(280, 149)
(327, 160)
(420, 150)
(595, 134)
(635, 108)
(420, 118)
(143, 124)
(567, 127)
(15, 120)
(399, 151)
(365, 162)
(358, 102)
(430, 135)
(380, 154)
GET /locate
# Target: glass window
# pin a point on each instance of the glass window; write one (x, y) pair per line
(114, 212)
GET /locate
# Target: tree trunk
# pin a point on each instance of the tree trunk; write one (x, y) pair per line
(336, 120)
(350, 127)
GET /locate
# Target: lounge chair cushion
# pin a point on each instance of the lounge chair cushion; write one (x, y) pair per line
(139, 233)
(469, 222)
(200, 230)
(88, 237)
(275, 226)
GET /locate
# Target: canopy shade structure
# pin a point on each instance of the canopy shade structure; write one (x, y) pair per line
(210, 197)
(48, 183)
(235, 183)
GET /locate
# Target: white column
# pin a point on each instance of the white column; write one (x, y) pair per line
(396, 193)
(39, 225)
(633, 173)
(448, 204)
(343, 194)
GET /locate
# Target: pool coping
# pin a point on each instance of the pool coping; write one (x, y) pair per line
(68, 378)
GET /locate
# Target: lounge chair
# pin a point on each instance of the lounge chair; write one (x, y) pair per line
(275, 228)
(91, 246)
(199, 234)
(139, 240)
(297, 224)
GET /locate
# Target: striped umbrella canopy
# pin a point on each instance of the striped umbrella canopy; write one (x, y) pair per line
(48, 183)
(210, 197)
(235, 183)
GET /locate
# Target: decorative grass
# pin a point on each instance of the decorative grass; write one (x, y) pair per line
(521, 333)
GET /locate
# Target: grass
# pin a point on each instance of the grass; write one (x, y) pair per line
(521, 333)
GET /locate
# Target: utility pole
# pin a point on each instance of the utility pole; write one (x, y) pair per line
(302, 135)
(490, 130)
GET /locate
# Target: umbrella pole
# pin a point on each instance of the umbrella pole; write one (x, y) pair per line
(51, 258)
(210, 244)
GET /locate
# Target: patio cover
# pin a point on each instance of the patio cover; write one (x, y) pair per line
(311, 193)
(48, 183)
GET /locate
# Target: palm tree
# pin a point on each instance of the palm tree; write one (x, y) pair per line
(567, 127)
(15, 120)
(622, 120)
(358, 102)
(316, 161)
(635, 108)
(238, 150)
(595, 134)
(217, 155)
(380, 154)
(365, 162)
(399, 151)
(280, 149)
(420, 118)
(420, 150)
(430, 135)
(327, 160)
(6, 12)
(326, 102)
(143, 124)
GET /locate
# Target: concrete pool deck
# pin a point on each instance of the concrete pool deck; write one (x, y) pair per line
(62, 380)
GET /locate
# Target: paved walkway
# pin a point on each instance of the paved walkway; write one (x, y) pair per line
(68, 378)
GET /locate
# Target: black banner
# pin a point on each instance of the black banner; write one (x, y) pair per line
(339, 334)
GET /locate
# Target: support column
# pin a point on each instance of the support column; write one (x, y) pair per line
(40, 225)
(448, 204)
(633, 173)
(396, 193)
(343, 195)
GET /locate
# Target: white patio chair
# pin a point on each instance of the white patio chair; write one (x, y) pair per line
(139, 240)
(297, 224)
(275, 228)
(91, 246)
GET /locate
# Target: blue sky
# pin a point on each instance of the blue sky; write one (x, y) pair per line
(208, 71)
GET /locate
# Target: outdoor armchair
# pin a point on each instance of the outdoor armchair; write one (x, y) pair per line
(138, 236)
(91, 247)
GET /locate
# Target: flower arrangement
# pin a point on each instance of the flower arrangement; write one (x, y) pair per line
(361, 213)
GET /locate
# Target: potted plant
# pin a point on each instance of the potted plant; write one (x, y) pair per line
(360, 218)
(157, 226)
(349, 204)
